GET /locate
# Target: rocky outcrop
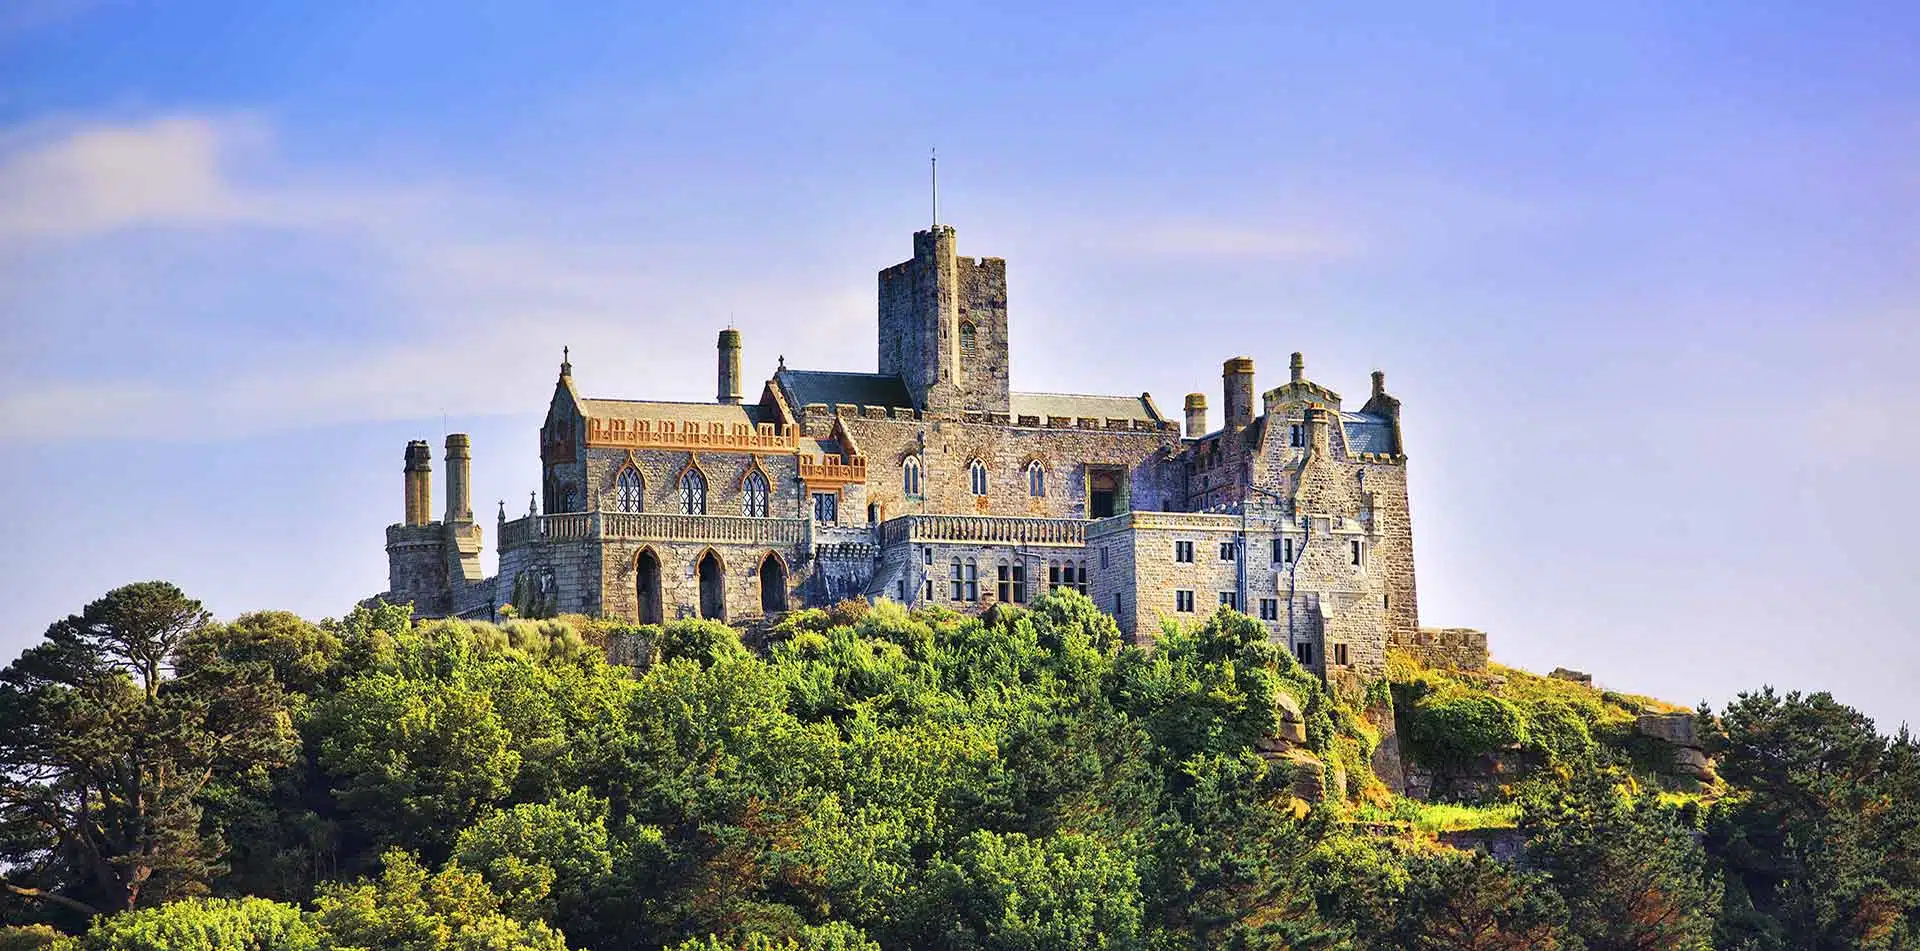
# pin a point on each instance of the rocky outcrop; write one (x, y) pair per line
(1679, 731)
(1575, 676)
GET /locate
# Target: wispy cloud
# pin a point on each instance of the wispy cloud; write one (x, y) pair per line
(1235, 241)
(79, 181)
(23, 16)
(469, 306)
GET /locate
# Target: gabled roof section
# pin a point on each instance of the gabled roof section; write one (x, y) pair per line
(1367, 432)
(1082, 406)
(676, 412)
(803, 387)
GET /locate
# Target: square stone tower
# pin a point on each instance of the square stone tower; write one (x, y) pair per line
(943, 327)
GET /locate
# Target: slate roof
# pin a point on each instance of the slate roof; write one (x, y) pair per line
(1080, 406)
(1367, 432)
(851, 389)
(676, 412)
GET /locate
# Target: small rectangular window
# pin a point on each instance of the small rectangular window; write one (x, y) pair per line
(1269, 609)
(900, 590)
(826, 507)
(928, 554)
(1290, 552)
(1340, 654)
(1019, 584)
(1355, 548)
(1296, 436)
(973, 581)
(1183, 601)
(928, 595)
(1226, 551)
(1104, 563)
(1230, 599)
(1004, 583)
(959, 579)
(1279, 551)
(1116, 604)
(1303, 652)
(1182, 551)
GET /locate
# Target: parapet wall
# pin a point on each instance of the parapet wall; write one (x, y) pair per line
(1457, 648)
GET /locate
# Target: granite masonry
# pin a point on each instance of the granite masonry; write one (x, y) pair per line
(932, 481)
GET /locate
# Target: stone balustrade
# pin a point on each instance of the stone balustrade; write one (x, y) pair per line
(652, 526)
(987, 529)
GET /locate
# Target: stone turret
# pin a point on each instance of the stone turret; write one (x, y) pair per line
(729, 383)
(459, 478)
(419, 483)
(1196, 415)
(1236, 378)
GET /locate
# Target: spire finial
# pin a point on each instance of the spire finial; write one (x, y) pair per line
(566, 362)
(532, 509)
(783, 361)
(935, 163)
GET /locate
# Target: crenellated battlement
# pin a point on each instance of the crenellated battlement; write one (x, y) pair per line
(688, 434)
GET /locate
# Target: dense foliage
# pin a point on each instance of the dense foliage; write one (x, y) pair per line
(877, 779)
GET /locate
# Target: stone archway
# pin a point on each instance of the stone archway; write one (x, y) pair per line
(713, 586)
(773, 585)
(646, 583)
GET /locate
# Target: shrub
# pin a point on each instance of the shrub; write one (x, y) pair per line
(1452, 731)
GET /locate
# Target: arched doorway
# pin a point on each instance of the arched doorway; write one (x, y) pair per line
(646, 582)
(773, 585)
(713, 587)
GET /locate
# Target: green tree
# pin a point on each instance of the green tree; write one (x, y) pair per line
(409, 909)
(107, 749)
(1631, 874)
(1822, 844)
(834, 936)
(204, 924)
(547, 859)
(1012, 893)
(1470, 902)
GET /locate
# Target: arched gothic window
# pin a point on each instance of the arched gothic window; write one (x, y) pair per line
(753, 495)
(1036, 480)
(627, 493)
(910, 476)
(693, 493)
(977, 475)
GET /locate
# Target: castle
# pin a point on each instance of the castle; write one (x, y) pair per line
(931, 481)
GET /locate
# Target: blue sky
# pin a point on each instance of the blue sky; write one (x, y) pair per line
(1646, 275)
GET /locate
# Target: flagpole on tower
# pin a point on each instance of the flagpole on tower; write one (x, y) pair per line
(936, 186)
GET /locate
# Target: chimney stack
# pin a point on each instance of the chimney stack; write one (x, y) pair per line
(1299, 367)
(1196, 415)
(729, 347)
(1379, 383)
(419, 476)
(1317, 430)
(1236, 377)
(459, 476)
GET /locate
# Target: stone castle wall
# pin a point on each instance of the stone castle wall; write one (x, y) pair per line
(1458, 648)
